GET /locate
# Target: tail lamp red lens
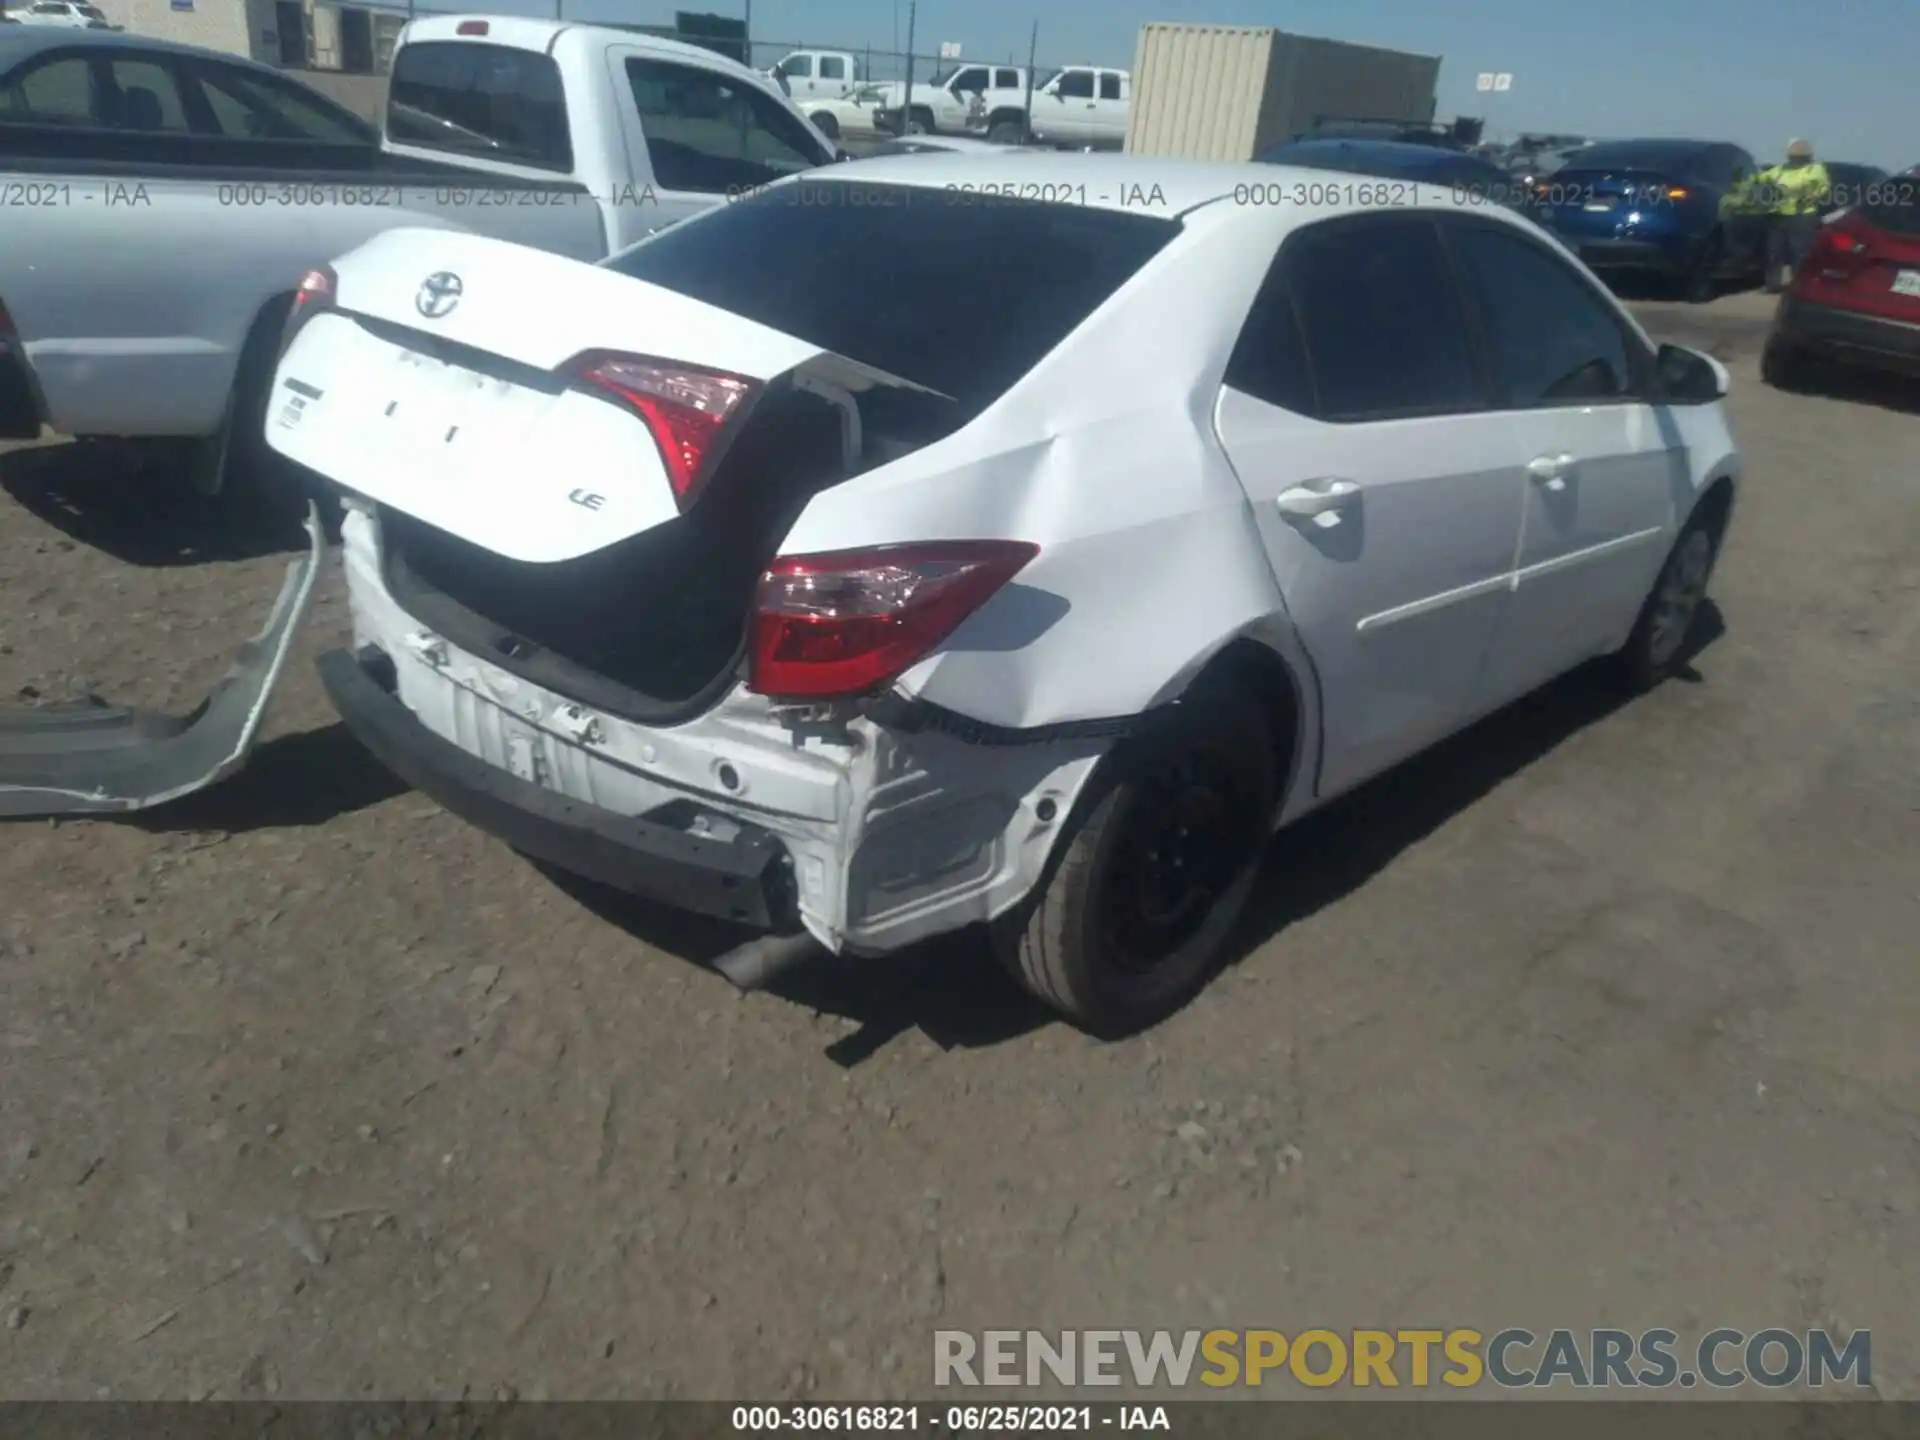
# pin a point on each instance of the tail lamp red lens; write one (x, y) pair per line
(845, 623)
(471, 27)
(315, 292)
(685, 408)
(1837, 252)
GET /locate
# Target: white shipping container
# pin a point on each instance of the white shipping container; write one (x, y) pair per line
(1227, 92)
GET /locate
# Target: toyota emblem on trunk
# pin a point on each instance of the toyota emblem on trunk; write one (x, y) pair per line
(439, 293)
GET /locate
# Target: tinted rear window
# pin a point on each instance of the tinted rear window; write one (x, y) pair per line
(485, 100)
(1663, 155)
(962, 299)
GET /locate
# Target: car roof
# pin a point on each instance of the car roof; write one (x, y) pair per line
(22, 42)
(522, 33)
(1669, 148)
(1397, 152)
(1151, 186)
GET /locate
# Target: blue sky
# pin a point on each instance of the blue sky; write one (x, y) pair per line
(1758, 72)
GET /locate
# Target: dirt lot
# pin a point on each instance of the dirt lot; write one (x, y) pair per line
(1601, 1015)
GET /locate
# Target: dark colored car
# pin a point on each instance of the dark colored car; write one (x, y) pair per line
(1473, 180)
(1657, 207)
(1857, 297)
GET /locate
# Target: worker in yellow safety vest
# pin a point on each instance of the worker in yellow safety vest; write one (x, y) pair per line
(1796, 195)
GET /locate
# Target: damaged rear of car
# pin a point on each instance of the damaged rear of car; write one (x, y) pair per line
(581, 619)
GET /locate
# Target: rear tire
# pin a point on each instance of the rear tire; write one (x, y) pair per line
(1146, 886)
(1701, 283)
(920, 122)
(825, 123)
(1658, 645)
(1784, 365)
(1007, 132)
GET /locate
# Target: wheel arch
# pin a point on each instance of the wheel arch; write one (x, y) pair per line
(1715, 504)
(1286, 697)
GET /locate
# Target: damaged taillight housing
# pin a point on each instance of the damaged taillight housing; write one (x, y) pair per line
(316, 292)
(847, 622)
(686, 408)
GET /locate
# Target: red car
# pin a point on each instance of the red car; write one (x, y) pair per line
(1857, 296)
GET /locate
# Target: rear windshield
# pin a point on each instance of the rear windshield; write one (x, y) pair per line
(963, 299)
(475, 99)
(1893, 206)
(1664, 155)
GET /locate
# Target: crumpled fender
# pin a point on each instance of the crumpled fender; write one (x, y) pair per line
(94, 758)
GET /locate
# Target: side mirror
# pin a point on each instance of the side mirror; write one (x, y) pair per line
(1688, 377)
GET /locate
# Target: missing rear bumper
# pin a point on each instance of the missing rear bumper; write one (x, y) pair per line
(678, 855)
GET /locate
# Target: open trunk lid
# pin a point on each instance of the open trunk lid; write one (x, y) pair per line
(437, 381)
(552, 521)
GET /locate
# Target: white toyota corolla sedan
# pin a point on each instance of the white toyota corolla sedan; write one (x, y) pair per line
(918, 545)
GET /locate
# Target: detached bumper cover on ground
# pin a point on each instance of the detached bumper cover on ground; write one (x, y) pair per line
(96, 758)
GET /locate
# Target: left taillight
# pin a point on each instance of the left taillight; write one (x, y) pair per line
(314, 293)
(1837, 253)
(686, 409)
(845, 623)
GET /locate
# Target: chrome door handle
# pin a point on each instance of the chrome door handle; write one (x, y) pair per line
(1549, 472)
(1318, 500)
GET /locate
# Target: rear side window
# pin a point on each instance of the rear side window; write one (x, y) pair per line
(713, 134)
(892, 277)
(1109, 85)
(490, 101)
(1006, 79)
(59, 91)
(1270, 358)
(1552, 340)
(1381, 319)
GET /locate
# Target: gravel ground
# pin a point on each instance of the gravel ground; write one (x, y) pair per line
(1599, 1015)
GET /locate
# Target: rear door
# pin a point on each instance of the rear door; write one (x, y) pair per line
(1569, 384)
(1387, 496)
(699, 136)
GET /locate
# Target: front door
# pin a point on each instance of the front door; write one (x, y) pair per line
(1388, 500)
(1603, 479)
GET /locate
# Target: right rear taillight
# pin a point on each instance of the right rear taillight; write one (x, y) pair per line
(1838, 252)
(685, 408)
(845, 623)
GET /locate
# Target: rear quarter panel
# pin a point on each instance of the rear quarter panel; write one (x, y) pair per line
(1104, 456)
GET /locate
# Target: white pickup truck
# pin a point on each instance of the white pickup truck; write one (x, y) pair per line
(957, 99)
(1082, 107)
(162, 201)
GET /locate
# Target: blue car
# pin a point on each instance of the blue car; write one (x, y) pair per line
(1655, 207)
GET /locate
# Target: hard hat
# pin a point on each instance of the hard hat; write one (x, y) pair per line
(1800, 150)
